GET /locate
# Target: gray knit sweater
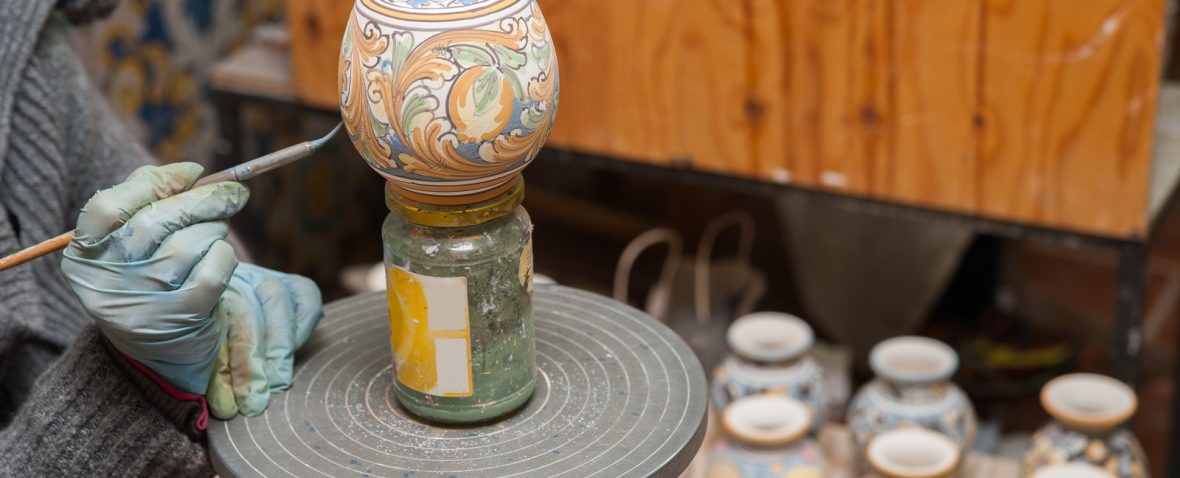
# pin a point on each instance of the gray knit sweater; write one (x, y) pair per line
(69, 404)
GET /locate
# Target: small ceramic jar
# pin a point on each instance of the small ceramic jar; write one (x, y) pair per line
(912, 453)
(912, 388)
(1088, 411)
(1072, 470)
(767, 437)
(770, 354)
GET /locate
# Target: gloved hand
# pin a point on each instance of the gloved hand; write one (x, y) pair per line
(267, 316)
(149, 263)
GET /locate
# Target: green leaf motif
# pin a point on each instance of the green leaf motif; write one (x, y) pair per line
(541, 54)
(468, 56)
(513, 81)
(531, 118)
(416, 104)
(402, 43)
(486, 91)
(379, 128)
(508, 57)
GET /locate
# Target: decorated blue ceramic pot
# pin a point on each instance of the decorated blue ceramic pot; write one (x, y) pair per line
(767, 437)
(912, 389)
(770, 354)
(1087, 411)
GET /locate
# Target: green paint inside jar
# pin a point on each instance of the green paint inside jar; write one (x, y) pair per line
(488, 246)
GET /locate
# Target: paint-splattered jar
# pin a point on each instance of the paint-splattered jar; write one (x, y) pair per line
(460, 308)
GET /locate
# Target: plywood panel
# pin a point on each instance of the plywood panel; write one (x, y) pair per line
(1036, 111)
(580, 69)
(1068, 103)
(713, 119)
(618, 69)
(317, 27)
(934, 91)
(831, 101)
(768, 106)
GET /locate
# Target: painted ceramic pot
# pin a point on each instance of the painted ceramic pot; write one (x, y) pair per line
(448, 99)
(770, 354)
(912, 389)
(1072, 470)
(1088, 411)
(913, 453)
(767, 438)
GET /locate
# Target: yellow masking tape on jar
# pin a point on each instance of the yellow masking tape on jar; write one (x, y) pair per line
(429, 329)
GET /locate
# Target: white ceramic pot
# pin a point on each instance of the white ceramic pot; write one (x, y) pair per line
(912, 388)
(767, 437)
(913, 453)
(770, 354)
(448, 99)
(1072, 470)
(1088, 411)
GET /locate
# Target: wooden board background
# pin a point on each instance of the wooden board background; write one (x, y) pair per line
(317, 28)
(1037, 111)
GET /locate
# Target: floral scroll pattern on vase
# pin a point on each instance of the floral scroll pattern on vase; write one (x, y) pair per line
(453, 102)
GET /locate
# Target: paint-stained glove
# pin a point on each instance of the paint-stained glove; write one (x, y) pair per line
(267, 316)
(149, 263)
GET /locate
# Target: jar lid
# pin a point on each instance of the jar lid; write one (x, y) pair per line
(463, 215)
(767, 419)
(1089, 402)
(1072, 470)
(913, 359)
(770, 337)
(913, 453)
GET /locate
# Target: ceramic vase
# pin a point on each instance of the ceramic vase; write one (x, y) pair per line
(1088, 411)
(912, 389)
(770, 354)
(767, 438)
(912, 453)
(448, 99)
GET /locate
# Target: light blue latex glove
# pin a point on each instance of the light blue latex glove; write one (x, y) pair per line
(267, 316)
(149, 263)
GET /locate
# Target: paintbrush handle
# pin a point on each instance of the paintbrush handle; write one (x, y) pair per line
(32, 252)
(60, 242)
(240, 172)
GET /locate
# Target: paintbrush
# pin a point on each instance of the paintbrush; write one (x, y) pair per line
(240, 172)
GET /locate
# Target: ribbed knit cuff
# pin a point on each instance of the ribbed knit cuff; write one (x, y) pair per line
(187, 411)
(87, 416)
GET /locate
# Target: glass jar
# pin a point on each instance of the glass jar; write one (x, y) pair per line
(460, 306)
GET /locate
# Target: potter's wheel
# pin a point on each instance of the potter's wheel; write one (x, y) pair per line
(618, 394)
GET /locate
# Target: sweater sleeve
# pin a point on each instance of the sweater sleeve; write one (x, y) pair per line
(93, 414)
(104, 151)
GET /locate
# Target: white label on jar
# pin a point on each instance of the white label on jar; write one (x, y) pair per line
(430, 332)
